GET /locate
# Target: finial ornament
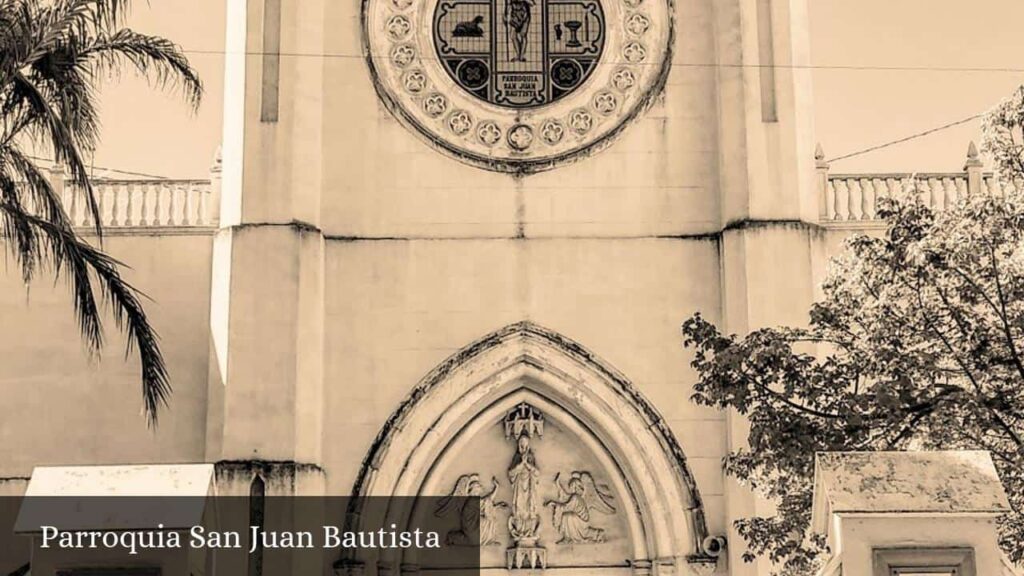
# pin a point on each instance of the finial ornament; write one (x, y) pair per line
(973, 158)
(218, 160)
(524, 420)
(819, 157)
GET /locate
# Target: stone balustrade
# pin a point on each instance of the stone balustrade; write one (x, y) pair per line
(127, 205)
(144, 204)
(846, 200)
(852, 199)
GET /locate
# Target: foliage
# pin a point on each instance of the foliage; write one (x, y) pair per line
(917, 343)
(53, 53)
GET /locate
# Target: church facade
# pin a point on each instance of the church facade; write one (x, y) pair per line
(451, 246)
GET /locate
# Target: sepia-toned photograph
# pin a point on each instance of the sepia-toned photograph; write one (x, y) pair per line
(511, 288)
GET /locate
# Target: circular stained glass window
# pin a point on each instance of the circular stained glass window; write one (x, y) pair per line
(517, 86)
(519, 53)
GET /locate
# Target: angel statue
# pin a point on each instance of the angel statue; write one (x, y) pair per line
(570, 514)
(473, 522)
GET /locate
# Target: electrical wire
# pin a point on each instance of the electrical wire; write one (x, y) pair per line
(116, 170)
(907, 138)
(853, 67)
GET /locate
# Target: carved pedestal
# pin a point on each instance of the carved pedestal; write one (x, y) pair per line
(526, 557)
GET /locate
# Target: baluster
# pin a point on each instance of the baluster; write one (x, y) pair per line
(881, 190)
(203, 217)
(87, 218)
(949, 194)
(842, 200)
(155, 200)
(122, 203)
(934, 190)
(960, 192)
(143, 204)
(869, 199)
(102, 201)
(856, 199)
(129, 189)
(200, 192)
(189, 205)
(115, 204)
(158, 189)
(830, 201)
(172, 205)
(889, 190)
(903, 187)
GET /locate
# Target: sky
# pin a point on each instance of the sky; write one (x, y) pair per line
(854, 108)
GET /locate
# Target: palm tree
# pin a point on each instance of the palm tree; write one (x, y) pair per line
(53, 53)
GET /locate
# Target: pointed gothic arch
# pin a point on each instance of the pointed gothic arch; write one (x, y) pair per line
(524, 362)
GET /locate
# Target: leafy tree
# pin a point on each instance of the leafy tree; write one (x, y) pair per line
(918, 343)
(53, 53)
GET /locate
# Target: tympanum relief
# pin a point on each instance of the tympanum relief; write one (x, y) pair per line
(550, 504)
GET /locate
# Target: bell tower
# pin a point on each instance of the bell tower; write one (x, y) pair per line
(402, 177)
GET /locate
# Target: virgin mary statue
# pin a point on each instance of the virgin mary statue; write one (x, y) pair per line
(524, 476)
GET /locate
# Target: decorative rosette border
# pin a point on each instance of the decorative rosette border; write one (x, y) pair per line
(398, 41)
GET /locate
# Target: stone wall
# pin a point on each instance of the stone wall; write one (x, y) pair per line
(63, 408)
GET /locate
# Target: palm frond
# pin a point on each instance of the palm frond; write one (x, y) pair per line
(41, 195)
(53, 53)
(21, 237)
(153, 57)
(60, 139)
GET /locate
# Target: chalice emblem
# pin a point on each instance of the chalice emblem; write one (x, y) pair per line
(574, 28)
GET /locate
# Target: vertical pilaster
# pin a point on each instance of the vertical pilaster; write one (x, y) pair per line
(973, 167)
(267, 313)
(769, 193)
(766, 61)
(826, 208)
(212, 205)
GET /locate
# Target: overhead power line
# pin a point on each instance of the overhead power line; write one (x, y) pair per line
(115, 170)
(836, 159)
(953, 69)
(907, 138)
